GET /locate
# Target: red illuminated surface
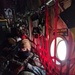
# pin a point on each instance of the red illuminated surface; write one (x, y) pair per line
(43, 50)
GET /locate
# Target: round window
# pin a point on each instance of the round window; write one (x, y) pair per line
(61, 49)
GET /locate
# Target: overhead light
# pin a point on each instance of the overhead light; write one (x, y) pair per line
(49, 2)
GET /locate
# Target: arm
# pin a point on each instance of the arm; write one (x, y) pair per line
(37, 60)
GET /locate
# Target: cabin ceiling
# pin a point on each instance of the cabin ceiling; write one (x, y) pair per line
(22, 6)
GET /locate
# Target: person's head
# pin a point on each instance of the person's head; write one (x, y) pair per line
(11, 41)
(25, 45)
